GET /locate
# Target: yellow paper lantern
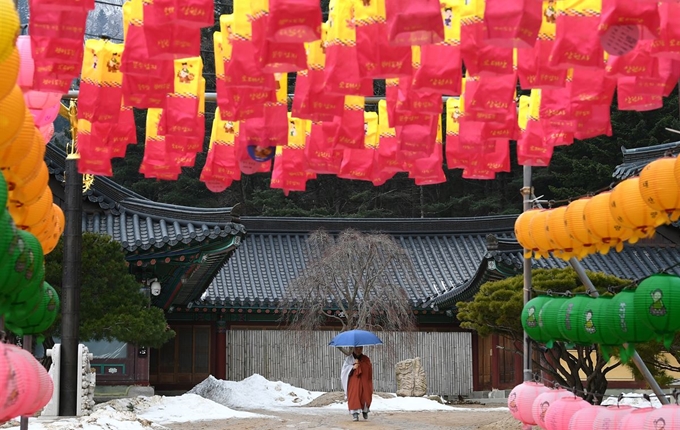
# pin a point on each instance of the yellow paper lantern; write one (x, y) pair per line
(630, 210)
(539, 233)
(10, 28)
(12, 113)
(522, 232)
(31, 191)
(49, 241)
(564, 245)
(38, 210)
(27, 167)
(659, 187)
(599, 221)
(576, 226)
(9, 71)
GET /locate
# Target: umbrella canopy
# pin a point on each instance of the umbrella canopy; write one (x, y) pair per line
(355, 338)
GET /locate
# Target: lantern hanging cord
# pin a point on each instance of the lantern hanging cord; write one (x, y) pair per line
(675, 394)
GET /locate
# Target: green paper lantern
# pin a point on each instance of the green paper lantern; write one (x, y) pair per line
(657, 305)
(547, 320)
(530, 318)
(24, 276)
(596, 323)
(3, 191)
(7, 232)
(575, 320)
(624, 322)
(41, 318)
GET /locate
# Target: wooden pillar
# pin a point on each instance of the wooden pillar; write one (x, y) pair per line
(495, 363)
(141, 366)
(476, 386)
(221, 346)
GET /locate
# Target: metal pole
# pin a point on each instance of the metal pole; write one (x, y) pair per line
(70, 300)
(526, 358)
(637, 360)
(27, 344)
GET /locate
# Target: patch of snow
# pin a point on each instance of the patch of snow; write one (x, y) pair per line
(635, 400)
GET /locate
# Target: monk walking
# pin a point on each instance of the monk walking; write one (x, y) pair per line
(357, 380)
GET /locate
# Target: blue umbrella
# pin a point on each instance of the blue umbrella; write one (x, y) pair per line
(355, 338)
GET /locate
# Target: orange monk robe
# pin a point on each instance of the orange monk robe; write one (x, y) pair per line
(360, 386)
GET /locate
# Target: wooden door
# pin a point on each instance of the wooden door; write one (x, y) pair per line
(485, 352)
(183, 361)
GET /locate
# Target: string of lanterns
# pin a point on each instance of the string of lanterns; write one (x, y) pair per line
(630, 212)
(535, 404)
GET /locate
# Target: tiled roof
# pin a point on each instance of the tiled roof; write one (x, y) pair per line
(444, 252)
(451, 260)
(202, 240)
(140, 224)
(635, 159)
(634, 262)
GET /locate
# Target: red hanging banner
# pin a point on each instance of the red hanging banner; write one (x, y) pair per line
(414, 22)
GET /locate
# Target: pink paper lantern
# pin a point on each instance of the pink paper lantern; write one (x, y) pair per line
(26, 67)
(562, 410)
(5, 370)
(47, 131)
(584, 418)
(610, 417)
(666, 417)
(43, 383)
(541, 404)
(45, 116)
(635, 420)
(521, 399)
(22, 385)
(41, 100)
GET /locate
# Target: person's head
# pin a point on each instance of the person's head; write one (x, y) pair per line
(358, 350)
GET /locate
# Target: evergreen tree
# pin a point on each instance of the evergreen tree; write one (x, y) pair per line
(112, 305)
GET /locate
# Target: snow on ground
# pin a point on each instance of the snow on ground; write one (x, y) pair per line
(254, 392)
(411, 404)
(215, 399)
(635, 400)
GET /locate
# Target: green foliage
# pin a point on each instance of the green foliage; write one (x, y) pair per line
(497, 306)
(111, 303)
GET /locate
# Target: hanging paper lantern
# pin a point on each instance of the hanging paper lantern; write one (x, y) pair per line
(629, 209)
(41, 318)
(542, 403)
(46, 132)
(583, 418)
(576, 226)
(564, 245)
(9, 70)
(657, 305)
(562, 410)
(521, 398)
(10, 28)
(666, 417)
(625, 325)
(42, 381)
(532, 315)
(522, 231)
(26, 67)
(12, 113)
(635, 420)
(611, 416)
(23, 384)
(27, 168)
(38, 100)
(538, 231)
(548, 321)
(601, 224)
(575, 320)
(659, 187)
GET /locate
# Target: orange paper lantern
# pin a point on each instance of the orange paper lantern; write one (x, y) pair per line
(564, 245)
(629, 209)
(12, 114)
(9, 71)
(522, 232)
(659, 186)
(576, 226)
(538, 230)
(599, 221)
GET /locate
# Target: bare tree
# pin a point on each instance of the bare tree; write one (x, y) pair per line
(353, 279)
